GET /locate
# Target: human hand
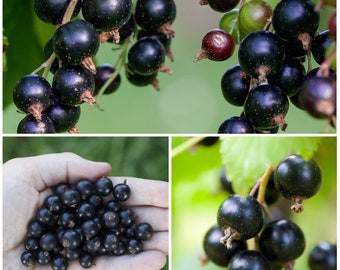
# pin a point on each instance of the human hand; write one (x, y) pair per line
(28, 181)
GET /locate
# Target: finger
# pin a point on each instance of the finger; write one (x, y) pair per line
(157, 217)
(145, 192)
(159, 241)
(48, 170)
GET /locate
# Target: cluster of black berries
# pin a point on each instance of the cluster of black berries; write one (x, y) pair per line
(279, 240)
(55, 108)
(273, 47)
(81, 222)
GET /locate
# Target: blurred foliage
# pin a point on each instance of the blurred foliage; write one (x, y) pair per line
(143, 157)
(191, 93)
(197, 194)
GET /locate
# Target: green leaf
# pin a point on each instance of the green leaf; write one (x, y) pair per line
(246, 158)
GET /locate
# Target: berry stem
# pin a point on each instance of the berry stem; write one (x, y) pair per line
(186, 145)
(69, 11)
(263, 184)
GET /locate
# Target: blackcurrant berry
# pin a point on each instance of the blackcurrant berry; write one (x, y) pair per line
(249, 260)
(72, 254)
(44, 216)
(266, 106)
(127, 217)
(75, 41)
(32, 94)
(89, 228)
(121, 192)
(28, 258)
(146, 56)
(144, 231)
(52, 11)
(216, 251)
(104, 186)
(67, 219)
(134, 246)
(53, 203)
(120, 248)
(261, 53)
(298, 179)
(322, 256)
(110, 219)
(104, 72)
(48, 241)
(236, 125)
(296, 20)
(282, 241)
(217, 45)
(226, 182)
(141, 80)
(29, 124)
(156, 15)
(59, 263)
(110, 241)
(291, 76)
(64, 117)
(43, 257)
(86, 260)
(85, 211)
(73, 85)
(107, 14)
(36, 229)
(318, 96)
(31, 243)
(235, 85)
(240, 218)
(95, 200)
(320, 43)
(85, 188)
(70, 239)
(70, 197)
(220, 5)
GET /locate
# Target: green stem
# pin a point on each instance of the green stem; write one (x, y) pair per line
(186, 145)
(263, 184)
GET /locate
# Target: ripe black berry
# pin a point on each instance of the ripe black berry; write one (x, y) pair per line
(85, 188)
(121, 192)
(59, 263)
(141, 80)
(220, 5)
(235, 85)
(67, 219)
(89, 228)
(156, 15)
(52, 11)
(261, 53)
(110, 219)
(216, 251)
(146, 56)
(32, 94)
(70, 197)
(86, 260)
(107, 14)
(31, 243)
(127, 217)
(320, 43)
(35, 229)
(53, 203)
(239, 218)
(74, 41)
(48, 241)
(144, 231)
(322, 256)
(29, 124)
(104, 186)
(70, 239)
(64, 117)
(73, 85)
(282, 241)
(298, 179)
(249, 260)
(28, 258)
(217, 45)
(266, 106)
(85, 211)
(44, 257)
(44, 215)
(134, 246)
(236, 125)
(103, 73)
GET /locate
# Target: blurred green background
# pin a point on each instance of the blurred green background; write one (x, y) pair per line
(143, 157)
(190, 100)
(197, 194)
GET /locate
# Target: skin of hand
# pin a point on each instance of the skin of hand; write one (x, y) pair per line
(28, 181)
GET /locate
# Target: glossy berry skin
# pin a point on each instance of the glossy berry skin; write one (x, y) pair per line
(73, 85)
(249, 260)
(59, 263)
(32, 94)
(222, 6)
(70, 197)
(242, 215)
(104, 186)
(103, 73)
(261, 53)
(107, 14)
(70, 239)
(146, 56)
(64, 117)
(48, 241)
(216, 251)
(282, 241)
(323, 256)
(31, 125)
(217, 45)
(140, 80)
(294, 17)
(143, 231)
(52, 11)
(53, 203)
(28, 258)
(74, 41)
(134, 246)
(85, 188)
(320, 43)
(121, 192)
(266, 106)
(297, 177)
(318, 96)
(291, 76)
(86, 260)
(235, 85)
(150, 15)
(235, 125)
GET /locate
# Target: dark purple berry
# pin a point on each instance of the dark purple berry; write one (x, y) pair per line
(29, 124)
(121, 192)
(323, 256)
(249, 260)
(48, 241)
(104, 186)
(235, 125)
(28, 258)
(103, 74)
